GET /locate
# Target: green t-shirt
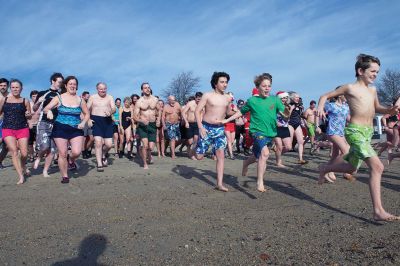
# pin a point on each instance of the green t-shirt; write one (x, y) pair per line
(263, 113)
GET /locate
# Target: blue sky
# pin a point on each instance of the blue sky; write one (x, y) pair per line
(308, 46)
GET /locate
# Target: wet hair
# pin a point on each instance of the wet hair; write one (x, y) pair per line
(55, 76)
(215, 77)
(2, 80)
(198, 94)
(364, 62)
(34, 92)
(128, 99)
(313, 102)
(259, 79)
(118, 99)
(135, 95)
(85, 93)
(16, 81)
(191, 98)
(144, 83)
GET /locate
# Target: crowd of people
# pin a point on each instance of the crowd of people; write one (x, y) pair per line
(58, 126)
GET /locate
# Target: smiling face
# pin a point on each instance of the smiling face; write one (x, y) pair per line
(370, 74)
(71, 86)
(264, 88)
(102, 90)
(221, 85)
(15, 88)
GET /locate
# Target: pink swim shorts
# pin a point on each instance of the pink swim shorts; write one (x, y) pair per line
(16, 133)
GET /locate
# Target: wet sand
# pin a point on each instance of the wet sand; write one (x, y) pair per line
(172, 215)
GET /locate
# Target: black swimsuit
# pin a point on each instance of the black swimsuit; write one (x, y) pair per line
(125, 123)
(295, 117)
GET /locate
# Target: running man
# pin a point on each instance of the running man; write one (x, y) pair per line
(312, 122)
(171, 119)
(101, 107)
(363, 103)
(147, 115)
(3, 93)
(192, 130)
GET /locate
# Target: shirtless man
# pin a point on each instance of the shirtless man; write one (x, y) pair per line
(363, 103)
(312, 122)
(101, 107)
(3, 93)
(32, 125)
(210, 124)
(192, 130)
(170, 118)
(147, 115)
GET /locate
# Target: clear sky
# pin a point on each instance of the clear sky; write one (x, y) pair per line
(308, 46)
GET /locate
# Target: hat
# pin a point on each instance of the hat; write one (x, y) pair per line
(240, 101)
(255, 92)
(282, 94)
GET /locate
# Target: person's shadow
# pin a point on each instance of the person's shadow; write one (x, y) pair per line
(89, 251)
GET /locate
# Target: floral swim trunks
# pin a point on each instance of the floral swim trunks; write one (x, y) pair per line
(359, 139)
(215, 136)
(173, 131)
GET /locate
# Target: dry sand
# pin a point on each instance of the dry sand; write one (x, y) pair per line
(171, 215)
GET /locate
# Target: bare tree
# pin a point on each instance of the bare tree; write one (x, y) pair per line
(182, 86)
(389, 87)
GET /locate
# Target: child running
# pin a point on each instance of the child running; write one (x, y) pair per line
(363, 103)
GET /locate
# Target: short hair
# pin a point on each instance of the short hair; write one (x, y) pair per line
(2, 80)
(144, 83)
(55, 76)
(16, 81)
(34, 92)
(85, 93)
(198, 94)
(128, 99)
(215, 77)
(364, 62)
(135, 95)
(313, 102)
(259, 79)
(191, 98)
(101, 83)
(67, 79)
(118, 99)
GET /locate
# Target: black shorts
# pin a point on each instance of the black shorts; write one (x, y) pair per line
(102, 126)
(283, 132)
(32, 135)
(115, 128)
(192, 131)
(239, 130)
(182, 130)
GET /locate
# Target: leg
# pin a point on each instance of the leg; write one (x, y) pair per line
(250, 160)
(106, 148)
(23, 148)
(98, 146)
(376, 168)
(220, 153)
(144, 150)
(300, 141)
(75, 144)
(278, 151)
(128, 140)
(11, 143)
(62, 146)
(261, 165)
(172, 143)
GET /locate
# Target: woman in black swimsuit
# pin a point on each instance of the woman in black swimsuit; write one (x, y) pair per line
(125, 120)
(295, 125)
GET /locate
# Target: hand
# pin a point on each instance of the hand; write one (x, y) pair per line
(203, 132)
(41, 99)
(318, 130)
(81, 125)
(186, 125)
(107, 113)
(394, 110)
(145, 122)
(321, 112)
(28, 114)
(90, 123)
(128, 118)
(50, 115)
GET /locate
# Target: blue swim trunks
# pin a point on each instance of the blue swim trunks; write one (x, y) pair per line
(215, 136)
(173, 131)
(260, 141)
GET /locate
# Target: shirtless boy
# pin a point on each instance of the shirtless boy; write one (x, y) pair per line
(312, 124)
(101, 107)
(192, 131)
(210, 124)
(363, 103)
(147, 115)
(171, 117)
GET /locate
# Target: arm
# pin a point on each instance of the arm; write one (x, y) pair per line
(382, 109)
(198, 115)
(47, 110)
(28, 114)
(86, 115)
(184, 114)
(162, 118)
(39, 100)
(159, 114)
(112, 104)
(2, 99)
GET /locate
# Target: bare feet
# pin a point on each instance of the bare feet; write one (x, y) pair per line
(390, 158)
(36, 163)
(193, 158)
(349, 177)
(281, 165)
(331, 176)
(21, 180)
(145, 167)
(45, 174)
(262, 189)
(323, 176)
(221, 188)
(302, 162)
(245, 168)
(386, 217)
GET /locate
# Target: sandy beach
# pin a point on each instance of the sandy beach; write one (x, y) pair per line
(172, 215)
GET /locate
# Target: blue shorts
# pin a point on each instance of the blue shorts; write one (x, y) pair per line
(103, 126)
(173, 131)
(64, 131)
(215, 136)
(260, 141)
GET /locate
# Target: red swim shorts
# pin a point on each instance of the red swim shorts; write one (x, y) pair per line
(16, 133)
(230, 127)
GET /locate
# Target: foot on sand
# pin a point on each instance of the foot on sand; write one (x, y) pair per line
(21, 180)
(386, 217)
(45, 174)
(245, 168)
(221, 188)
(323, 176)
(349, 177)
(36, 163)
(390, 159)
(279, 165)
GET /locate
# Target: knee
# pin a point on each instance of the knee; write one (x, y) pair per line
(63, 154)
(379, 168)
